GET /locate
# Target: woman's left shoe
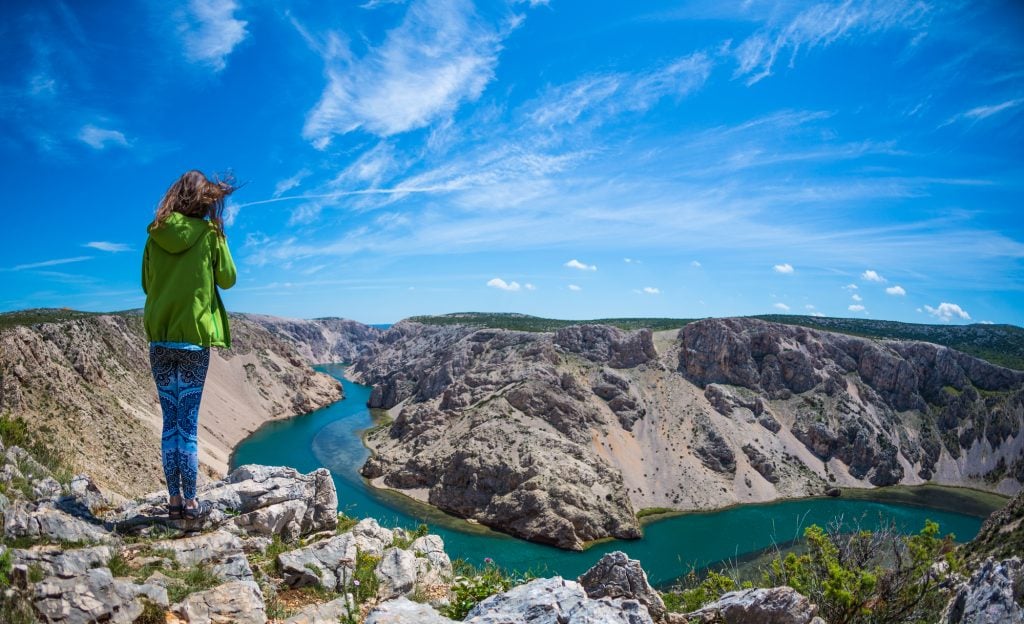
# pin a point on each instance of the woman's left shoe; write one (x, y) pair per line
(201, 510)
(174, 512)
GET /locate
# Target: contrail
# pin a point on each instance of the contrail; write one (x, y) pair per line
(390, 191)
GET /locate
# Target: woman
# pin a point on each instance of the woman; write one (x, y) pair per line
(185, 260)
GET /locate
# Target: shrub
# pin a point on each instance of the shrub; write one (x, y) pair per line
(472, 584)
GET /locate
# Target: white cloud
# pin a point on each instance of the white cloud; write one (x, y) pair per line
(809, 306)
(210, 31)
(981, 112)
(818, 314)
(785, 269)
(782, 306)
(871, 276)
(987, 323)
(821, 25)
(306, 213)
(695, 264)
(529, 286)
(501, 284)
(576, 264)
(231, 210)
(651, 290)
(946, 312)
(896, 290)
(47, 263)
(574, 287)
(283, 186)
(851, 287)
(631, 261)
(856, 308)
(856, 297)
(602, 97)
(441, 55)
(111, 247)
(100, 138)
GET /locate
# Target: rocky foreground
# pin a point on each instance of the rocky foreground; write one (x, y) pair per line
(275, 550)
(561, 437)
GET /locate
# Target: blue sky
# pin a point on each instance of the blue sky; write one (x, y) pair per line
(565, 159)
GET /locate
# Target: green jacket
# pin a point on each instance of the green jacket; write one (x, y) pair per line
(184, 262)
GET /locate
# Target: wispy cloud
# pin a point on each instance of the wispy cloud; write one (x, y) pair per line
(283, 186)
(651, 290)
(871, 276)
(856, 297)
(441, 55)
(576, 264)
(49, 263)
(106, 246)
(575, 288)
(781, 306)
(898, 291)
(501, 284)
(785, 269)
(947, 312)
(818, 26)
(100, 138)
(210, 31)
(982, 112)
(855, 308)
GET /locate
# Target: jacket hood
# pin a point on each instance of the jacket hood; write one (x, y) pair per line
(179, 233)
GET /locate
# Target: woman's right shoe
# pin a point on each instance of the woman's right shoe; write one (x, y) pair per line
(201, 510)
(174, 512)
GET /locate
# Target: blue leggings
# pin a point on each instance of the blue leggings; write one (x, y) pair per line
(180, 375)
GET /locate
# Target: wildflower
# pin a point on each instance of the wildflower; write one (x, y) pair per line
(355, 582)
(488, 560)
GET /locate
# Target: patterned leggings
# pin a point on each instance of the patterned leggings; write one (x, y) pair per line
(179, 375)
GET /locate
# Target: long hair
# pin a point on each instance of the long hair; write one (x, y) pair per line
(195, 195)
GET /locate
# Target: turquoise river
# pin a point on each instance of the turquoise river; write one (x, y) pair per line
(670, 547)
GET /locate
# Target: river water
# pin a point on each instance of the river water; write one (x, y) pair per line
(670, 548)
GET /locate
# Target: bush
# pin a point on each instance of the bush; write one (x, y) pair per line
(696, 593)
(880, 577)
(472, 584)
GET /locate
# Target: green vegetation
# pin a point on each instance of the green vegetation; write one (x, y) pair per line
(410, 537)
(345, 523)
(999, 344)
(364, 579)
(877, 577)
(189, 581)
(525, 322)
(15, 432)
(41, 315)
(472, 584)
(653, 511)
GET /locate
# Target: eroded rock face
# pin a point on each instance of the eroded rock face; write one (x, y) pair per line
(404, 611)
(44, 521)
(328, 563)
(994, 594)
(220, 550)
(603, 343)
(617, 576)
(62, 563)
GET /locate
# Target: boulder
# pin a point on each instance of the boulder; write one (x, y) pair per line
(993, 595)
(328, 564)
(774, 605)
(404, 611)
(555, 601)
(43, 521)
(433, 567)
(60, 562)
(220, 550)
(95, 596)
(337, 610)
(396, 573)
(236, 602)
(617, 576)
(371, 537)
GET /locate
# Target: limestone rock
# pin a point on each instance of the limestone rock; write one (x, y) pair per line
(331, 612)
(615, 575)
(45, 522)
(993, 595)
(775, 605)
(94, 596)
(404, 611)
(371, 538)
(396, 573)
(237, 602)
(328, 563)
(555, 601)
(433, 567)
(60, 562)
(220, 550)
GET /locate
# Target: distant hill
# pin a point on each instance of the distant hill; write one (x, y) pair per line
(999, 344)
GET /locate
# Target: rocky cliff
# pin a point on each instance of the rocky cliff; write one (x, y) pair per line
(561, 436)
(84, 385)
(323, 340)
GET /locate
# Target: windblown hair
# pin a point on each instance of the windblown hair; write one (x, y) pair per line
(195, 195)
